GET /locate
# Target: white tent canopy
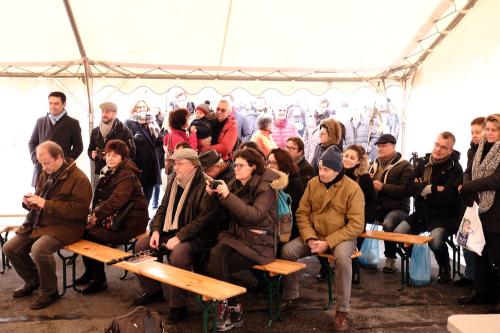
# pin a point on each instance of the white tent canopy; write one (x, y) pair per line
(279, 40)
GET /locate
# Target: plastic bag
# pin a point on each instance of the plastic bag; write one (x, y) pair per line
(470, 233)
(370, 256)
(420, 265)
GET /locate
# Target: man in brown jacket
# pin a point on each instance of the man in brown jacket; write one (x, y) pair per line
(57, 215)
(330, 218)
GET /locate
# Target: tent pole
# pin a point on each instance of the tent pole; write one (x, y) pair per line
(87, 79)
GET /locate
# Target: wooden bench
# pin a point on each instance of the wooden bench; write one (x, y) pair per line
(210, 291)
(472, 323)
(274, 273)
(403, 242)
(329, 274)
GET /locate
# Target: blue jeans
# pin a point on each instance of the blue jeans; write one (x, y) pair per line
(437, 245)
(390, 222)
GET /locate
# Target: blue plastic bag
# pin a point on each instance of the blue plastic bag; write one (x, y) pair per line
(420, 265)
(370, 252)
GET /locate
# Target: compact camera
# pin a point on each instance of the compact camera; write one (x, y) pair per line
(214, 184)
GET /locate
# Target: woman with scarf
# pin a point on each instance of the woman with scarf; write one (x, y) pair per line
(147, 136)
(282, 128)
(118, 190)
(482, 185)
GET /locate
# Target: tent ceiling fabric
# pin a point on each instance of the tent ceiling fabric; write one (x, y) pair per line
(315, 40)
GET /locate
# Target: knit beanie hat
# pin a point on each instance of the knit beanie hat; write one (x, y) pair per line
(203, 107)
(332, 159)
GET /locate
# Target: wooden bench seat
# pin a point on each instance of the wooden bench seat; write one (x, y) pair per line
(274, 273)
(403, 242)
(210, 290)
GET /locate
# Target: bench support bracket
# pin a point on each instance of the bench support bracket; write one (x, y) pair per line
(209, 314)
(68, 261)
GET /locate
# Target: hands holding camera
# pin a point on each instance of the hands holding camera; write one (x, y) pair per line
(33, 201)
(219, 187)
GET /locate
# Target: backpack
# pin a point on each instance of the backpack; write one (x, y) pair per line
(285, 218)
(140, 320)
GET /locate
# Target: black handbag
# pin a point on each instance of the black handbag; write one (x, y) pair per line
(116, 220)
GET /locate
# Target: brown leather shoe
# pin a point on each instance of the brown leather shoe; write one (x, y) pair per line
(25, 290)
(341, 321)
(41, 302)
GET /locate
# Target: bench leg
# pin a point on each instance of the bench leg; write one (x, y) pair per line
(329, 278)
(5, 260)
(209, 320)
(68, 261)
(274, 297)
(405, 265)
(456, 256)
(127, 247)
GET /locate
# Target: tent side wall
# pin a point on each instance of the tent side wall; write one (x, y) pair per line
(457, 83)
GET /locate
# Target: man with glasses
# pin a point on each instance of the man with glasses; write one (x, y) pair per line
(433, 184)
(184, 222)
(295, 147)
(224, 131)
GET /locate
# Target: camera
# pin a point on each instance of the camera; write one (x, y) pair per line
(214, 184)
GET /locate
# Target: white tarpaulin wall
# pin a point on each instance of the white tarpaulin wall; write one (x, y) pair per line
(458, 82)
(321, 46)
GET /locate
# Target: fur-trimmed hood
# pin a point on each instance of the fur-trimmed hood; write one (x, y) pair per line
(281, 182)
(334, 130)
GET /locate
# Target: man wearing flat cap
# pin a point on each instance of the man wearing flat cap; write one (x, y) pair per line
(390, 173)
(214, 167)
(330, 217)
(184, 222)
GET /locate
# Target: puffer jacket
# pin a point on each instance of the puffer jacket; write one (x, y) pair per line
(282, 130)
(253, 209)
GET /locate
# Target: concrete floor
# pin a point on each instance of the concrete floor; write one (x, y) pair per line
(377, 306)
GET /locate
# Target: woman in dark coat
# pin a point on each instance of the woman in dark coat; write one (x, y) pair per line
(482, 185)
(355, 163)
(250, 239)
(147, 136)
(119, 188)
(279, 159)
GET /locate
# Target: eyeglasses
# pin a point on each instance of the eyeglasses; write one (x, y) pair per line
(179, 163)
(239, 166)
(438, 146)
(291, 148)
(221, 110)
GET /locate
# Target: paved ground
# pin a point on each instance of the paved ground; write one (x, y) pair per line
(377, 306)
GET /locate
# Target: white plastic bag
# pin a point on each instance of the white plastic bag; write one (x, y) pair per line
(470, 233)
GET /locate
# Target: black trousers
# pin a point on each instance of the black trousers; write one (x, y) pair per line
(487, 278)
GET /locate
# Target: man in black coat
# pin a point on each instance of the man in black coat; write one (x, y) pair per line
(110, 128)
(56, 126)
(433, 184)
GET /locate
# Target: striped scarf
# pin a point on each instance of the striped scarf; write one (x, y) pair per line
(149, 119)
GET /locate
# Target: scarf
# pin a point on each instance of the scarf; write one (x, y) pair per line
(171, 220)
(106, 128)
(379, 167)
(426, 177)
(55, 119)
(485, 168)
(149, 119)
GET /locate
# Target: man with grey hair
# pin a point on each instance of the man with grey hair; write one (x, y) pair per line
(57, 216)
(184, 222)
(109, 128)
(433, 185)
(224, 131)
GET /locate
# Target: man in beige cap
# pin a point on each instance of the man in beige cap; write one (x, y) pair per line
(184, 223)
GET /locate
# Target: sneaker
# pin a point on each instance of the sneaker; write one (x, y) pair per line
(228, 317)
(341, 321)
(390, 265)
